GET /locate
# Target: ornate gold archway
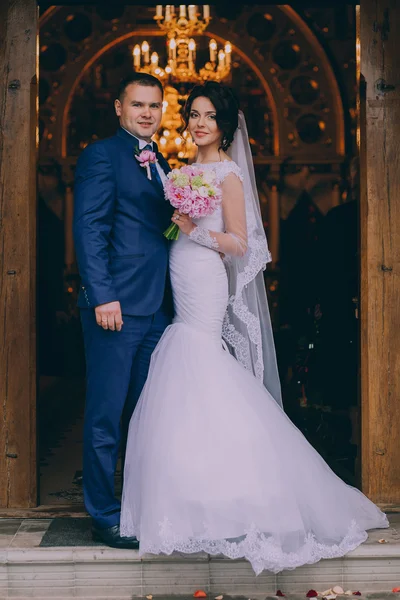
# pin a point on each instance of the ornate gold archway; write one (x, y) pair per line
(275, 80)
(65, 100)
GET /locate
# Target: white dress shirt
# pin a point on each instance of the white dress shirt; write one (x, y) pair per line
(142, 144)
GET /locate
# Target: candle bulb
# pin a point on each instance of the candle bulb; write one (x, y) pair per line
(154, 59)
(172, 47)
(167, 13)
(228, 53)
(192, 12)
(206, 11)
(182, 11)
(192, 45)
(146, 53)
(136, 57)
(213, 51)
(159, 10)
(192, 53)
(221, 59)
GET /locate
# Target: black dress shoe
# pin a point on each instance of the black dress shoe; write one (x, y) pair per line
(112, 537)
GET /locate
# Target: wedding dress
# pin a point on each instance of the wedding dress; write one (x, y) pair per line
(213, 463)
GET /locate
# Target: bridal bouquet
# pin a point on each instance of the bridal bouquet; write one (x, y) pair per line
(193, 192)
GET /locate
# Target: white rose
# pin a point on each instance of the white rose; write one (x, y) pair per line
(209, 177)
(203, 191)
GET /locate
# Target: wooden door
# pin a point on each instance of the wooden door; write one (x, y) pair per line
(380, 249)
(18, 133)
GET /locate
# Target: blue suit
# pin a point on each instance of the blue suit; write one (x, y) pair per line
(119, 219)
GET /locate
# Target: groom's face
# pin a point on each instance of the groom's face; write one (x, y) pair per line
(140, 110)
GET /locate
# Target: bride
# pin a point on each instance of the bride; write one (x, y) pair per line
(213, 463)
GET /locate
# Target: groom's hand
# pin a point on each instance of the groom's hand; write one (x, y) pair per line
(109, 316)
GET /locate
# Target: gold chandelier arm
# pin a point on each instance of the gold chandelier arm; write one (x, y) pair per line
(180, 25)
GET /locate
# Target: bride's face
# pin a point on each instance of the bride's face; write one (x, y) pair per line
(203, 123)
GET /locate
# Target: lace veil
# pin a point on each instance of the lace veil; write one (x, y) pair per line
(247, 326)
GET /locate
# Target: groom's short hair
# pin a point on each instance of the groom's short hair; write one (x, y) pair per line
(140, 79)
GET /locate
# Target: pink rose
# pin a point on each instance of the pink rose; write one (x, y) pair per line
(146, 157)
(201, 207)
(186, 206)
(178, 196)
(189, 170)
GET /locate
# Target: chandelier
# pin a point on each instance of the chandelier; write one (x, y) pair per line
(180, 24)
(173, 144)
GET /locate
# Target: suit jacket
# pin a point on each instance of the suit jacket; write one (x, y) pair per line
(119, 219)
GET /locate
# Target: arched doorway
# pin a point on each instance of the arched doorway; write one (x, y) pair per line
(288, 85)
(378, 220)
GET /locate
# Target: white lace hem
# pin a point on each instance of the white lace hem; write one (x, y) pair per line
(258, 257)
(262, 551)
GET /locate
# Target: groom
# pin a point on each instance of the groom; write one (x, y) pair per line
(119, 218)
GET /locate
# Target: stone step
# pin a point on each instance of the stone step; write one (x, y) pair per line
(28, 569)
(372, 596)
(106, 574)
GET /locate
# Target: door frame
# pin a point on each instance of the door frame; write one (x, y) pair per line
(380, 256)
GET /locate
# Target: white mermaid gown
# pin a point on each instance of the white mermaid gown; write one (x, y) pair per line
(213, 464)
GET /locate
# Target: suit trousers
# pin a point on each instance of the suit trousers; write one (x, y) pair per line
(117, 364)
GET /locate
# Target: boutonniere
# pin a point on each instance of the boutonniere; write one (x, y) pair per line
(145, 159)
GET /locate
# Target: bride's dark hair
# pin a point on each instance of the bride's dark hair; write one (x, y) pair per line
(225, 104)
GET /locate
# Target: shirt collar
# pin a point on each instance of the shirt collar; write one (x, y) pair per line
(142, 143)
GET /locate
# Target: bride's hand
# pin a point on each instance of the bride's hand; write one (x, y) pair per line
(184, 222)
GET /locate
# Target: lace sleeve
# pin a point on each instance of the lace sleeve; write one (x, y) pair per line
(204, 237)
(233, 242)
